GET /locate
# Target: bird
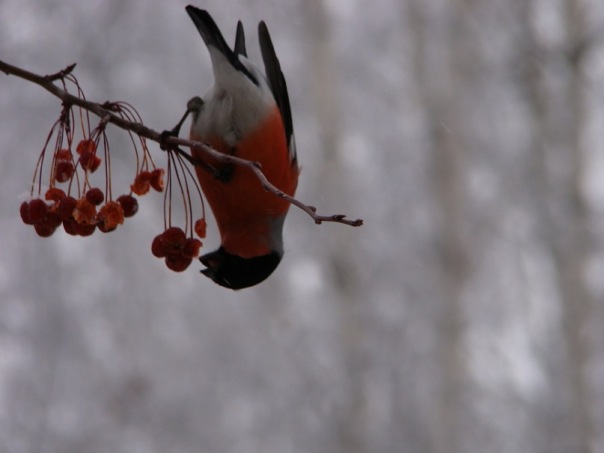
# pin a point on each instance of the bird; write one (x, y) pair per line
(246, 113)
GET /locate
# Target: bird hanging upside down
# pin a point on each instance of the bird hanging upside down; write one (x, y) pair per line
(245, 114)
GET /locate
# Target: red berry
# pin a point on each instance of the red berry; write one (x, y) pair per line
(157, 246)
(191, 248)
(84, 230)
(63, 170)
(157, 179)
(85, 212)
(129, 205)
(66, 208)
(178, 263)
(142, 183)
(95, 196)
(200, 228)
(174, 239)
(110, 216)
(86, 145)
(63, 154)
(90, 161)
(70, 226)
(37, 210)
(54, 194)
(25, 214)
(44, 230)
(52, 219)
(105, 227)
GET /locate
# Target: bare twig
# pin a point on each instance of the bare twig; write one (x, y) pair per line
(255, 167)
(61, 74)
(104, 111)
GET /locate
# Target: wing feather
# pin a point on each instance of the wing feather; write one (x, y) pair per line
(276, 82)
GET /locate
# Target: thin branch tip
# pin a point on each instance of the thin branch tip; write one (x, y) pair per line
(61, 74)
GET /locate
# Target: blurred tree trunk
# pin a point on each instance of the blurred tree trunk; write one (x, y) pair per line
(557, 96)
(350, 423)
(574, 250)
(438, 54)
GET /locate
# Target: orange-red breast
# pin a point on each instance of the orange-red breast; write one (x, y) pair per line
(246, 114)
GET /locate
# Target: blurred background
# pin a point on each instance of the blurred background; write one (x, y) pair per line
(465, 316)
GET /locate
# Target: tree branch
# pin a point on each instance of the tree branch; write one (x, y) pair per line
(105, 112)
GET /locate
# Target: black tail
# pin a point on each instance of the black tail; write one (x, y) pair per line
(240, 41)
(212, 36)
(276, 81)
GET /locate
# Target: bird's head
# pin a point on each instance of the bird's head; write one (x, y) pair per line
(235, 272)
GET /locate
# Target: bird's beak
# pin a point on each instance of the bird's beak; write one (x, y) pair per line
(209, 272)
(213, 262)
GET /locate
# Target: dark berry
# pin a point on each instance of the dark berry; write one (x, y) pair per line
(44, 230)
(95, 196)
(129, 205)
(25, 214)
(157, 247)
(63, 170)
(66, 208)
(37, 210)
(178, 263)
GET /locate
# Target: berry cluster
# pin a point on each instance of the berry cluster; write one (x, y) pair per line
(176, 248)
(71, 199)
(78, 206)
(67, 197)
(79, 217)
(174, 245)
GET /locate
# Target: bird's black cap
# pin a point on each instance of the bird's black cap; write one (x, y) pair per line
(235, 272)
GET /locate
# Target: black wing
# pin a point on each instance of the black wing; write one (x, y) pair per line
(276, 82)
(211, 35)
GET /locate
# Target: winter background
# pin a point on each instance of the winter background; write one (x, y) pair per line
(465, 316)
